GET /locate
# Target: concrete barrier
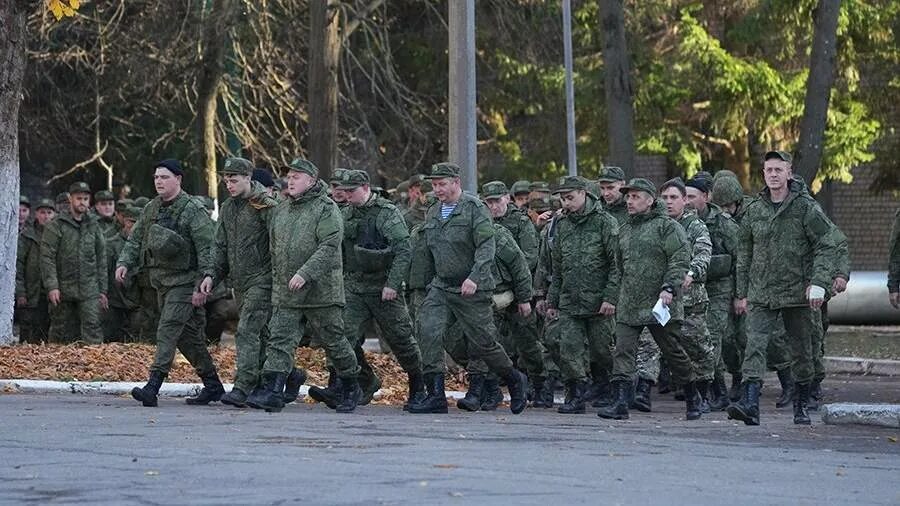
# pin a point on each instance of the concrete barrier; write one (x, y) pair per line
(881, 415)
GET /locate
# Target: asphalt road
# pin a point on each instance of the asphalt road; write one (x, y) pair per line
(107, 450)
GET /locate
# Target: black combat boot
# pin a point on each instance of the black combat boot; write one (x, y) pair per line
(492, 396)
(692, 401)
(801, 417)
(368, 391)
(575, 398)
(815, 395)
(702, 388)
(416, 383)
(787, 388)
(603, 395)
(236, 397)
(212, 391)
(350, 393)
(436, 400)
(292, 385)
(475, 394)
(517, 384)
(270, 396)
(718, 395)
(149, 392)
(543, 393)
(642, 395)
(329, 394)
(619, 408)
(736, 391)
(747, 408)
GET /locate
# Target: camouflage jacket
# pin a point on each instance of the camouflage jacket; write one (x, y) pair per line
(125, 296)
(28, 265)
(414, 215)
(654, 254)
(305, 238)
(523, 231)
(462, 246)
(73, 258)
(510, 266)
(583, 261)
(240, 248)
(723, 231)
(894, 263)
(782, 249)
(376, 247)
(618, 210)
(421, 270)
(544, 270)
(701, 252)
(109, 226)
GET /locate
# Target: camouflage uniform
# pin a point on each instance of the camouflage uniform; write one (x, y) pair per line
(543, 275)
(123, 300)
(34, 319)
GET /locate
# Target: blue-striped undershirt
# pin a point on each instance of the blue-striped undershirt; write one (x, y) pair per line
(447, 209)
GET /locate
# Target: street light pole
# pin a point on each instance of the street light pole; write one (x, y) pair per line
(462, 90)
(570, 86)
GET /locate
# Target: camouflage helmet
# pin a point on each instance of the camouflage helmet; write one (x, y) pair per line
(520, 187)
(724, 173)
(140, 202)
(727, 190)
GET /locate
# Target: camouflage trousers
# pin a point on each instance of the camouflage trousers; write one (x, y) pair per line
(721, 333)
(116, 323)
(180, 328)
(695, 339)
(73, 320)
(441, 310)
(798, 325)
(778, 352)
(148, 313)
(393, 319)
(584, 346)
(254, 309)
(286, 328)
(34, 323)
(668, 338)
(818, 344)
(549, 337)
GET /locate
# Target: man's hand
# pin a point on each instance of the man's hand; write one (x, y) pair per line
(552, 313)
(54, 297)
(814, 303)
(688, 280)
(121, 272)
(666, 297)
(541, 307)
(388, 293)
(607, 309)
(525, 309)
(839, 284)
(21, 302)
(895, 300)
(740, 306)
(104, 302)
(198, 299)
(468, 288)
(206, 286)
(297, 282)
(544, 217)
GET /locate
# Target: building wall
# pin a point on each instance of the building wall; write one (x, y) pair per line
(866, 217)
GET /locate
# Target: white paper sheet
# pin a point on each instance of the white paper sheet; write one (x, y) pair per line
(661, 312)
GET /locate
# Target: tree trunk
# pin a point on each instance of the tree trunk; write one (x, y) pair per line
(619, 93)
(324, 53)
(808, 157)
(12, 72)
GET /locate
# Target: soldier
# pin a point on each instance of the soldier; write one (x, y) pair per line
(654, 257)
(894, 264)
(24, 212)
(123, 298)
(105, 208)
(264, 178)
(141, 202)
(723, 231)
(610, 180)
(583, 290)
(414, 214)
(169, 241)
(240, 254)
(73, 268)
(783, 268)
(521, 192)
(460, 251)
(31, 299)
(305, 232)
(337, 195)
(62, 203)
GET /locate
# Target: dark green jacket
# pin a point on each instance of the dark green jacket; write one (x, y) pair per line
(171, 242)
(618, 210)
(421, 269)
(894, 262)
(127, 296)
(583, 261)
(376, 247)
(510, 266)
(415, 215)
(305, 238)
(701, 252)
(28, 265)
(723, 231)
(783, 249)
(109, 226)
(462, 246)
(653, 254)
(543, 272)
(523, 231)
(240, 249)
(73, 257)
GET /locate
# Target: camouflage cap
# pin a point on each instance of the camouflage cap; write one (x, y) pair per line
(639, 184)
(79, 187)
(104, 196)
(784, 156)
(122, 204)
(540, 187)
(237, 166)
(724, 173)
(45, 203)
(521, 186)
(570, 183)
(24, 201)
(443, 170)
(141, 202)
(305, 166)
(353, 179)
(414, 180)
(131, 213)
(540, 203)
(337, 175)
(727, 190)
(611, 175)
(403, 187)
(62, 198)
(494, 189)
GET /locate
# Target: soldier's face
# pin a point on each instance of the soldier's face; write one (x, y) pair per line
(414, 193)
(80, 202)
(338, 195)
(44, 215)
(447, 189)
(298, 182)
(497, 205)
(610, 191)
(24, 213)
(167, 184)
(572, 201)
(697, 199)
(127, 225)
(638, 202)
(521, 200)
(777, 173)
(674, 201)
(358, 196)
(105, 208)
(237, 185)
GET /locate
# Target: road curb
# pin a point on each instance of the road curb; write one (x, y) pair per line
(856, 365)
(881, 415)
